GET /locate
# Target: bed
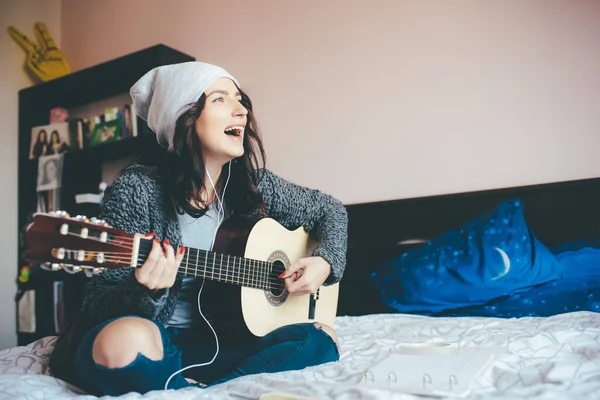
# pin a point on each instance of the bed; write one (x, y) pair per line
(550, 356)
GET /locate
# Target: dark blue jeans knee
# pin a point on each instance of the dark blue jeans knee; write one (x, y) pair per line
(142, 375)
(291, 347)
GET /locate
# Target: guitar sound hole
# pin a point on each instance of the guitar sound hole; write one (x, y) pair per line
(277, 295)
(277, 288)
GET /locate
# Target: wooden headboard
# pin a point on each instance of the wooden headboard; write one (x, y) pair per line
(557, 213)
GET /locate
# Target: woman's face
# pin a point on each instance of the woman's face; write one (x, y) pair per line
(50, 171)
(42, 136)
(221, 124)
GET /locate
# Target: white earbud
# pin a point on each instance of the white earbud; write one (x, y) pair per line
(221, 207)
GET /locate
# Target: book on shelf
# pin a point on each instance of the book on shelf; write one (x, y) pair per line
(116, 123)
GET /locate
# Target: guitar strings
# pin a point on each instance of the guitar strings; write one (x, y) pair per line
(254, 274)
(111, 241)
(260, 281)
(196, 258)
(273, 284)
(225, 271)
(257, 274)
(258, 264)
(210, 265)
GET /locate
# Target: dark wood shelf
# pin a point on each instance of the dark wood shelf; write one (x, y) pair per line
(111, 151)
(82, 169)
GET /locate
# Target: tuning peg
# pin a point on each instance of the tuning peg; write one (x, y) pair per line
(56, 266)
(59, 253)
(80, 218)
(97, 221)
(60, 213)
(72, 269)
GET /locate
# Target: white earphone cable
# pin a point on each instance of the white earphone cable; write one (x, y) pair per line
(220, 218)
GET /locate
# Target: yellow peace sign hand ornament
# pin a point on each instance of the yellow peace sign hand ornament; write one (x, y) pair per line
(45, 60)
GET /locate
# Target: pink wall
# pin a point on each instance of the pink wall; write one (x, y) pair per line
(375, 100)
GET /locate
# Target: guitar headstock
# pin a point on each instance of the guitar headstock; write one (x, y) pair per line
(75, 244)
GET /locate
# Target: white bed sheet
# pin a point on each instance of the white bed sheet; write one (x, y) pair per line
(547, 358)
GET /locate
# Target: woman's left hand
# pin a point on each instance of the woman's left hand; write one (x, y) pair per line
(306, 275)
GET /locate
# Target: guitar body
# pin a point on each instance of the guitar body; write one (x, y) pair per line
(259, 311)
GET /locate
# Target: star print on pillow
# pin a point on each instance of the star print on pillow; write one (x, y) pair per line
(495, 254)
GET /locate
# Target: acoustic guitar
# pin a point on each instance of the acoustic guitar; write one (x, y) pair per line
(242, 271)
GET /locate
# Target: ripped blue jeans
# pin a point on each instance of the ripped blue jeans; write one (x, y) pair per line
(287, 348)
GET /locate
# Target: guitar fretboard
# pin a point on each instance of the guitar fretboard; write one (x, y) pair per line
(229, 269)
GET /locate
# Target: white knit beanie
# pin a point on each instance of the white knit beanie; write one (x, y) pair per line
(160, 95)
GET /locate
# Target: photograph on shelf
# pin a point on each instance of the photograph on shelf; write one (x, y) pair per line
(49, 172)
(50, 139)
(109, 127)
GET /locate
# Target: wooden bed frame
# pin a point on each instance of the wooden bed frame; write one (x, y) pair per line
(557, 213)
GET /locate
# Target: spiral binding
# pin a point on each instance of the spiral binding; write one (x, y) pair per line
(393, 378)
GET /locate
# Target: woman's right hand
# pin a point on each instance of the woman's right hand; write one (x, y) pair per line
(161, 266)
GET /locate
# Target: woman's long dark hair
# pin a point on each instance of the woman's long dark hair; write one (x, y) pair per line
(54, 134)
(183, 172)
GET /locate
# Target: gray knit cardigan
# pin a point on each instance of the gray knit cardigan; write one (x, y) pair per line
(136, 203)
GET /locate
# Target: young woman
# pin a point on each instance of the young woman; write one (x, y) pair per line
(56, 146)
(48, 175)
(138, 329)
(40, 147)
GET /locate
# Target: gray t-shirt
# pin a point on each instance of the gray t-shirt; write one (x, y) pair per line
(197, 233)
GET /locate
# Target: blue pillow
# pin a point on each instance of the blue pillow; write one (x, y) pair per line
(495, 254)
(577, 290)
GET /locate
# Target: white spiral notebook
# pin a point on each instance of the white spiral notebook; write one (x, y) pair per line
(431, 370)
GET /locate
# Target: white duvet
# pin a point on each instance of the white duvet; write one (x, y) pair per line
(546, 358)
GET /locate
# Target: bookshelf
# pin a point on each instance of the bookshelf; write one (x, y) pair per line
(82, 169)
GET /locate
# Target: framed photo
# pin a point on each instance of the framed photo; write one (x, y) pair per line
(49, 172)
(50, 139)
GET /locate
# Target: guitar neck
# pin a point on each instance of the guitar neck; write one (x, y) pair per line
(58, 241)
(228, 269)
